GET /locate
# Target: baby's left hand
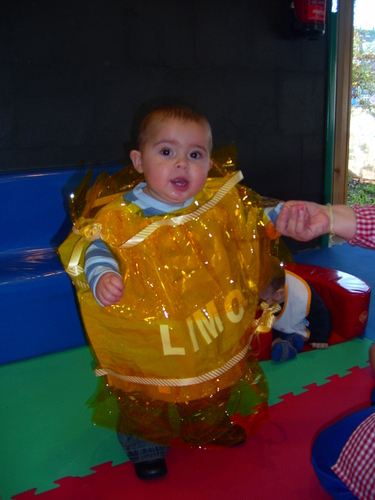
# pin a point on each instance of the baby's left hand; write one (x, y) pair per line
(319, 345)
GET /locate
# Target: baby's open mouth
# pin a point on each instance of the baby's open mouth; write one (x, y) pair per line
(180, 182)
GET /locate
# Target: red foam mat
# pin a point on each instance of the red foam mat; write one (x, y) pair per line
(274, 463)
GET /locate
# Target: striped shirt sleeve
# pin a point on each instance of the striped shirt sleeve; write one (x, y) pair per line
(98, 261)
(365, 235)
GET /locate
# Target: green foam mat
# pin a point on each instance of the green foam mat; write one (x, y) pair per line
(46, 428)
(314, 367)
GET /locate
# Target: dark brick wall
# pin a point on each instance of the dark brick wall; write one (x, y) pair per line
(76, 76)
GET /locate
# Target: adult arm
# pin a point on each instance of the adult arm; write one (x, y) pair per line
(304, 221)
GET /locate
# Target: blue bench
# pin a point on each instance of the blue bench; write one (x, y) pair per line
(38, 311)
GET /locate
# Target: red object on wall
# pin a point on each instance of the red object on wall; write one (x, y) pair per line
(309, 17)
(310, 11)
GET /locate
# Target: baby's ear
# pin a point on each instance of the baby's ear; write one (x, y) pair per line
(280, 295)
(136, 158)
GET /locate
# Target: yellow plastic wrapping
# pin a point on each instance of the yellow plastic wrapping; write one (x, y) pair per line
(175, 350)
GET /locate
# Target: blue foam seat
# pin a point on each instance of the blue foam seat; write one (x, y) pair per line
(37, 300)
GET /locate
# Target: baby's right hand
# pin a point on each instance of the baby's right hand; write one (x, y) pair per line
(109, 289)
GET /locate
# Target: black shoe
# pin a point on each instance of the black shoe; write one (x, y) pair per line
(233, 437)
(151, 469)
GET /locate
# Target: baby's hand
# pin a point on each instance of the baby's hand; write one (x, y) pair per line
(319, 345)
(109, 289)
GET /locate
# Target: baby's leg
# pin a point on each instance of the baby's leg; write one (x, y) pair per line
(144, 417)
(139, 450)
(205, 421)
(144, 432)
(295, 339)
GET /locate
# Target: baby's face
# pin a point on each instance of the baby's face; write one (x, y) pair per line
(268, 295)
(175, 160)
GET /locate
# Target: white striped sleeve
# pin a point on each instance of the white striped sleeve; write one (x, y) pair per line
(98, 261)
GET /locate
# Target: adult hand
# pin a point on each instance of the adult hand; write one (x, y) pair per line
(303, 220)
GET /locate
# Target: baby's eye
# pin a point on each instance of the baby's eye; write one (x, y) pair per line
(166, 152)
(195, 155)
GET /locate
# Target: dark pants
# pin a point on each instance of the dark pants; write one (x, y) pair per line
(144, 428)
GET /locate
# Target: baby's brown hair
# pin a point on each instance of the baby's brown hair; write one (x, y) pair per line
(278, 282)
(183, 113)
(272, 275)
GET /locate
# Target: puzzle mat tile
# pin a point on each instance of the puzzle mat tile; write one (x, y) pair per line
(274, 463)
(314, 367)
(45, 427)
(46, 431)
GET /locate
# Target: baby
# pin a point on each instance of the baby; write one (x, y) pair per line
(303, 317)
(174, 267)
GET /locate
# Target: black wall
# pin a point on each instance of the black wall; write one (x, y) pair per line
(76, 77)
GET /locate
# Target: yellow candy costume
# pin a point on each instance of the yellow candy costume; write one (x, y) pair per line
(181, 333)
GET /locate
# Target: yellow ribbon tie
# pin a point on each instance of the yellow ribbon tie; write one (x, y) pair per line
(267, 319)
(264, 323)
(87, 232)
